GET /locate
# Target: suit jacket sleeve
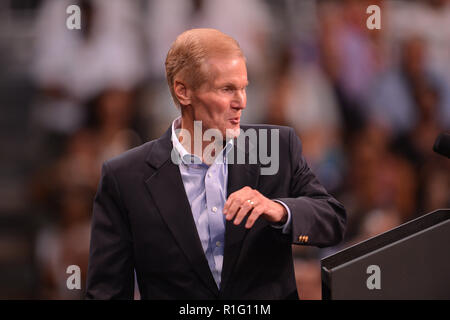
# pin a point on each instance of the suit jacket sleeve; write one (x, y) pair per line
(111, 268)
(314, 212)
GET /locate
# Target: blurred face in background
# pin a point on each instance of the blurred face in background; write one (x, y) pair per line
(414, 57)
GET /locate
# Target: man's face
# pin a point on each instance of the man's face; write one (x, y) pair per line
(219, 101)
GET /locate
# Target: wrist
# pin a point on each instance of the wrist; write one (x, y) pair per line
(282, 214)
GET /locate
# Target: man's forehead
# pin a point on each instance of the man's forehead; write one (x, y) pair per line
(227, 66)
(225, 59)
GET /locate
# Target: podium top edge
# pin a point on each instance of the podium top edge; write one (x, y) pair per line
(398, 233)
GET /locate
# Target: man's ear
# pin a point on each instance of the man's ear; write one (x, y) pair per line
(182, 92)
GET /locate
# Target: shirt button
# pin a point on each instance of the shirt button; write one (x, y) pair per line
(209, 175)
(214, 209)
(218, 244)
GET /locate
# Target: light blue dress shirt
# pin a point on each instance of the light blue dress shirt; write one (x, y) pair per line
(206, 190)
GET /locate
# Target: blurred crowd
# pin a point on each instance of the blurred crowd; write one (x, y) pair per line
(367, 105)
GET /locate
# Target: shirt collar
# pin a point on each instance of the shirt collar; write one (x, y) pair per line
(188, 158)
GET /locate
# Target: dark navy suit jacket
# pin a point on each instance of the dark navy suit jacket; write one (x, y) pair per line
(142, 221)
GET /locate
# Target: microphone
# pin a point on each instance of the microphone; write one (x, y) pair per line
(442, 145)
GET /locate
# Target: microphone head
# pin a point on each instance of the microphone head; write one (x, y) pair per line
(442, 144)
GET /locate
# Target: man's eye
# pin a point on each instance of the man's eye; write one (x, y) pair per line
(228, 90)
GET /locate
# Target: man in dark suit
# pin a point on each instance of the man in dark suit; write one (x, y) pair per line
(201, 224)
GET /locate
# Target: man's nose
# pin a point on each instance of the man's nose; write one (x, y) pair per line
(240, 99)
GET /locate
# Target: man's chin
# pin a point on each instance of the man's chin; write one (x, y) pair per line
(232, 133)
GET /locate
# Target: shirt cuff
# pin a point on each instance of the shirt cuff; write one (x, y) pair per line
(286, 228)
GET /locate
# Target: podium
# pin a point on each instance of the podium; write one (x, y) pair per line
(411, 261)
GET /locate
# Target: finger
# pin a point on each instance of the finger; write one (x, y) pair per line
(236, 195)
(256, 213)
(233, 208)
(242, 212)
(226, 206)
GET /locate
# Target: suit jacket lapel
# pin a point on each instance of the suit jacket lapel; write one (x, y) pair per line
(167, 190)
(239, 176)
